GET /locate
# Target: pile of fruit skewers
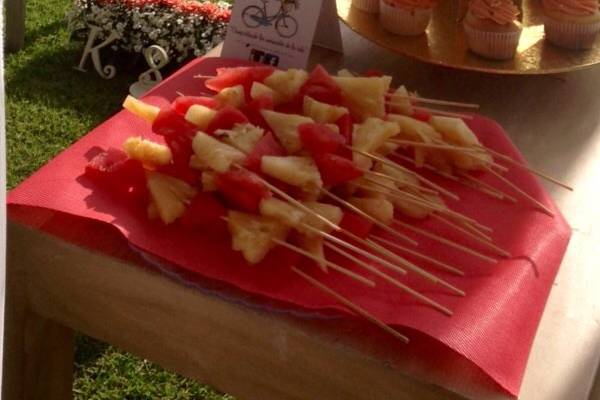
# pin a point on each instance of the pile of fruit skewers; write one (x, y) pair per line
(309, 162)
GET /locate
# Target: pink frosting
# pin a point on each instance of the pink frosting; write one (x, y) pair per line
(412, 4)
(577, 8)
(501, 12)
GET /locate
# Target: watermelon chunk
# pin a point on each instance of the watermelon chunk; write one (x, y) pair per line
(183, 103)
(421, 115)
(266, 146)
(320, 86)
(319, 138)
(245, 76)
(170, 123)
(226, 118)
(205, 212)
(345, 126)
(252, 110)
(356, 224)
(242, 189)
(335, 169)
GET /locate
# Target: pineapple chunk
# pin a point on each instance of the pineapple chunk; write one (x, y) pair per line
(197, 164)
(207, 178)
(365, 96)
(314, 245)
(287, 83)
(400, 102)
(231, 96)
(413, 129)
(399, 175)
(253, 235)
(149, 153)
(454, 131)
(379, 208)
(322, 112)
(387, 148)
(376, 186)
(259, 90)
(243, 136)
(370, 136)
(281, 211)
(200, 116)
(345, 73)
(296, 171)
(285, 127)
(330, 212)
(471, 162)
(216, 155)
(440, 160)
(169, 195)
(415, 210)
(141, 109)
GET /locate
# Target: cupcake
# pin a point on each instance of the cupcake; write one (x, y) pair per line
(573, 24)
(492, 29)
(405, 17)
(370, 6)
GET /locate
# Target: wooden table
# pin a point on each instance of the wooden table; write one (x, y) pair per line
(55, 287)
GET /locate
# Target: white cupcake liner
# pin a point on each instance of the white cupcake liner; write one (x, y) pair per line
(571, 35)
(370, 6)
(403, 22)
(494, 45)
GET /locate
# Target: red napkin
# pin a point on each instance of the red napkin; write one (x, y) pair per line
(491, 332)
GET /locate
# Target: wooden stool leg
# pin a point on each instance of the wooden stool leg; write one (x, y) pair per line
(38, 353)
(15, 25)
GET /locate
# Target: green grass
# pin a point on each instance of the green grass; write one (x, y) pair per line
(48, 106)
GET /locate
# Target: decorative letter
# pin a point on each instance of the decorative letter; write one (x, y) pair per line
(157, 58)
(106, 72)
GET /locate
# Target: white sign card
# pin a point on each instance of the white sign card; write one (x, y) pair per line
(281, 32)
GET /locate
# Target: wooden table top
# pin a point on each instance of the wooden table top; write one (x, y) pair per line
(555, 122)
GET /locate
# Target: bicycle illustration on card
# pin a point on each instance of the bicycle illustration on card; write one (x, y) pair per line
(286, 26)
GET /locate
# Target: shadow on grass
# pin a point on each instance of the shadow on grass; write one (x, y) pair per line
(88, 351)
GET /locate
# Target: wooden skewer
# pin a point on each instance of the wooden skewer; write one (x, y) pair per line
(179, 94)
(204, 76)
(355, 249)
(434, 261)
(483, 241)
(443, 113)
(332, 265)
(446, 241)
(391, 280)
(426, 100)
(403, 169)
(401, 182)
(521, 192)
(465, 228)
(420, 271)
(357, 309)
(528, 168)
(449, 147)
(368, 217)
(489, 187)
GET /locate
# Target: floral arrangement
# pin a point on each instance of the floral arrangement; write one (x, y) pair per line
(183, 28)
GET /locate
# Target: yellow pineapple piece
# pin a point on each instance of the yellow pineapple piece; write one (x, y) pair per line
(415, 210)
(370, 136)
(413, 129)
(207, 179)
(322, 112)
(402, 179)
(231, 96)
(281, 211)
(365, 96)
(345, 73)
(259, 90)
(143, 110)
(242, 136)
(285, 127)
(287, 83)
(200, 116)
(148, 152)
(454, 131)
(330, 212)
(400, 102)
(294, 170)
(253, 234)
(169, 195)
(377, 207)
(197, 164)
(216, 155)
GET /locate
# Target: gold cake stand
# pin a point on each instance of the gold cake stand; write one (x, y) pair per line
(444, 42)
